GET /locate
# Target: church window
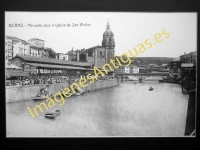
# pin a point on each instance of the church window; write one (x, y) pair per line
(101, 54)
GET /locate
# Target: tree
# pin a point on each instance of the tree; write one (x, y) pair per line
(52, 53)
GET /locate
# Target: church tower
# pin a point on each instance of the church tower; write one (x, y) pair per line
(108, 43)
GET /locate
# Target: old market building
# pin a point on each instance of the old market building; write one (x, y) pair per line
(38, 67)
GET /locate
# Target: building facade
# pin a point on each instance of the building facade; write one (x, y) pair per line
(33, 47)
(188, 65)
(8, 49)
(14, 46)
(36, 42)
(189, 58)
(175, 66)
(131, 69)
(61, 56)
(37, 48)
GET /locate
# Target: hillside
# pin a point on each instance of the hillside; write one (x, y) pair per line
(152, 60)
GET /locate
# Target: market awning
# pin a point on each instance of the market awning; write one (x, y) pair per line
(187, 65)
(18, 74)
(40, 66)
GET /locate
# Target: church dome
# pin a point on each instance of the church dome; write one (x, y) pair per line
(108, 32)
(108, 37)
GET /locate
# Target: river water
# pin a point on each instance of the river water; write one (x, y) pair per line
(126, 110)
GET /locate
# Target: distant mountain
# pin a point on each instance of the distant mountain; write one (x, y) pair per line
(151, 60)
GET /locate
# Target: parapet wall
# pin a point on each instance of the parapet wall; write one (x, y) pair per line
(23, 93)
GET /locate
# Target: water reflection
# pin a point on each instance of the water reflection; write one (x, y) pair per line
(127, 110)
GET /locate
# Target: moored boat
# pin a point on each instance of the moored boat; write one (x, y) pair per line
(39, 97)
(150, 89)
(57, 112)
(50, 115)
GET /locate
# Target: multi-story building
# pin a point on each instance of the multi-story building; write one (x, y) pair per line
(174, 66)
(27, 50)
(131, 69)
(33, 47)
(34, 51)
(36, 42)
(38, 52)
(8, 49)
(165, 66)
(188, 65)
(13, 46)
(19, 48)
(37, 48)
(72, 55)
(61, 56)
(189, 58)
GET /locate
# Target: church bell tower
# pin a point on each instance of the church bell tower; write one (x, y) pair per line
(108, 43)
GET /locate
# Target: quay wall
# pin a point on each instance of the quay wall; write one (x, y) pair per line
(153, 78)
(28, 92)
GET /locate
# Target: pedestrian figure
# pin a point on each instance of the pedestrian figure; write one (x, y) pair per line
(45, 90)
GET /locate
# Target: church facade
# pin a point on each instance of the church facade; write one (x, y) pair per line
(97, 55)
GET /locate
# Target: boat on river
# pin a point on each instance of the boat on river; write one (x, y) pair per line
(79, 93)
(39, 98)
(57, 112)
(150, 89)
(50, 115)
(53, 114)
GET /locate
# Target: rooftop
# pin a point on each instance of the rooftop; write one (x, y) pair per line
(92, 48)
(155, 66)
(37, 48)
(16, 39)
(164, 65)
(152, 60)
(52, 61)
(33, 39)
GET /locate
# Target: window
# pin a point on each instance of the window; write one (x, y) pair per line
(101, 54)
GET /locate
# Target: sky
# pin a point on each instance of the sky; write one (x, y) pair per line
(129, 29)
